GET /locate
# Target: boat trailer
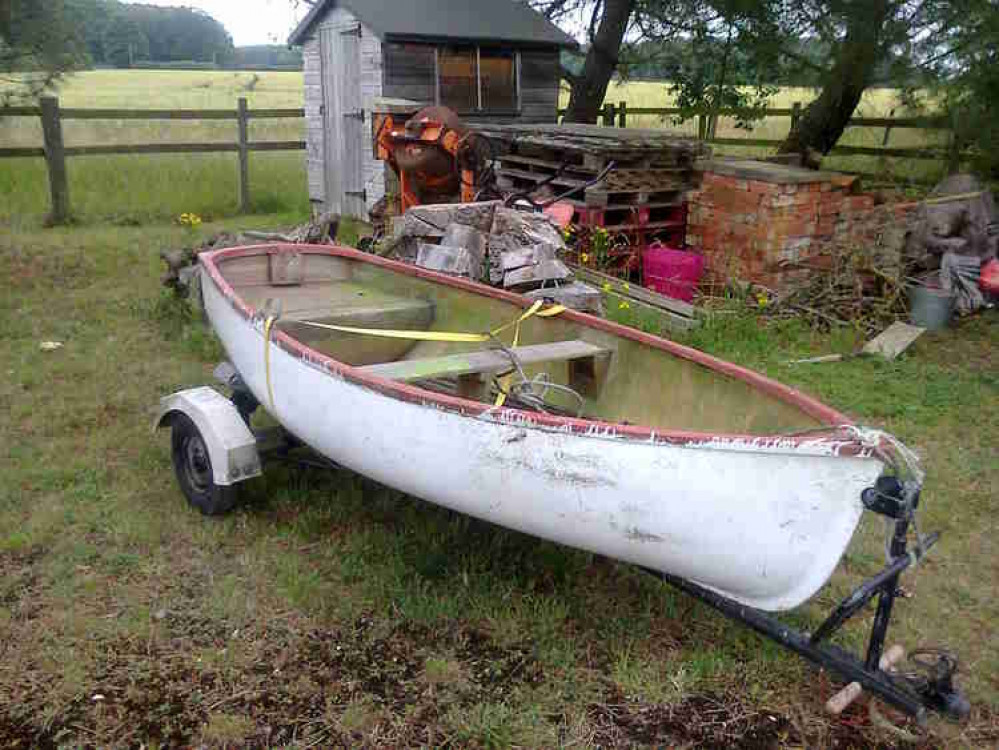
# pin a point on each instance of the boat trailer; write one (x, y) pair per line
(929, 686)
(224, 439)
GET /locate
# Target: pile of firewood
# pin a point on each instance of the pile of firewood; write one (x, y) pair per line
(861, 285)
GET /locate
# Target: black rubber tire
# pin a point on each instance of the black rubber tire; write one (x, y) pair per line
(193, 467)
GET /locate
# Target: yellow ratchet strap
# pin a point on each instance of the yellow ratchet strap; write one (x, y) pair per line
(447, 336)
(268, 324)
(504, 383)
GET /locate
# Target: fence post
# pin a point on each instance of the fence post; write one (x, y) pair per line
(608, 115)
(622, 114)
(795, 115)
(55, 160)
(702, 127)
(244, 157)
(884, 141)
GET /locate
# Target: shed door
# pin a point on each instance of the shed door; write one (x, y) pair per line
(345, 120)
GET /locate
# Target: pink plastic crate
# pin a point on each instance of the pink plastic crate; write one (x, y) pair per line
(672, 272)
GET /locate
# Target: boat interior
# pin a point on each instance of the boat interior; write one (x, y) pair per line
(558, 366)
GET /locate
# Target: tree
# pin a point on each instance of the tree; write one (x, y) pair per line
(38, 45)
(860, 34)
(966, 67)
(842, 46)
(707, 63)
(589, 88)
(123, 41)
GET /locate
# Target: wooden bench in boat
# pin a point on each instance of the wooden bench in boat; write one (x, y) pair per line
(587, 366)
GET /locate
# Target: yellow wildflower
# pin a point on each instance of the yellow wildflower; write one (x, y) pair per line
(606, 287)
(584, 258)
(626, 287)
(624, 306)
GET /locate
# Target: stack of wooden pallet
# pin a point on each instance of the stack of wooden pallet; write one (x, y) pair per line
(643, 197)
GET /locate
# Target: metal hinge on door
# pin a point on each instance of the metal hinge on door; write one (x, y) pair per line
(358, 115)
(362, 194)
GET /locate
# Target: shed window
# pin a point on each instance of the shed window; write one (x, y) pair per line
(477, 79)
(456, 74)
(498, 74)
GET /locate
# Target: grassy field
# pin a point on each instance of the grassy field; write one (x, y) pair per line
(329, 610)
(875, 103)
(135, 189)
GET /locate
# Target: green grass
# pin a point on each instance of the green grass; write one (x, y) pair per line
(330, 610)
(134, 190)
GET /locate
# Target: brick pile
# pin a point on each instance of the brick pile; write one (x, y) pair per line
(772, 224)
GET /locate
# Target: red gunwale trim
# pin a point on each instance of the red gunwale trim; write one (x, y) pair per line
(828, 416)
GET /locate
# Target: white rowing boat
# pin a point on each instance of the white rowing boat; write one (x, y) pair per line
(677, 461)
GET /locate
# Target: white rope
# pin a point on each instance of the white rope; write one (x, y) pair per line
(890, 449)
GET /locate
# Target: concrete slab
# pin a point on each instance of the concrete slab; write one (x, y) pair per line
(764, 171)
(894, 340)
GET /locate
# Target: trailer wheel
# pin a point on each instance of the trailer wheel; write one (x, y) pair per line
(193, 467)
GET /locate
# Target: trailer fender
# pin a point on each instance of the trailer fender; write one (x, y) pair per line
(231, 446)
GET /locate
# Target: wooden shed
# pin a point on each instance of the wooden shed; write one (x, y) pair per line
(494, 60)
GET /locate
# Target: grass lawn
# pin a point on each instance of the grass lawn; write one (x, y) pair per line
(329, 610)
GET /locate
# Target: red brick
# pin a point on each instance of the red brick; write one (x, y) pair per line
(763, 188)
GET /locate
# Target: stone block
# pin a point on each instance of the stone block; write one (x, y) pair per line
(536, 275)
(527, 256)
(474, 241)
(455, 261)
(433, 219)
(577, 295)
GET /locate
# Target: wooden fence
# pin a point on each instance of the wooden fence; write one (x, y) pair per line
(56, 152)
(617, 115)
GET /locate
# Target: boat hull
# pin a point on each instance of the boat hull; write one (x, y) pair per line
(761, 521)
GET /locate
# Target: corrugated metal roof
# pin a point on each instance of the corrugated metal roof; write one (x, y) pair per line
(474, 20)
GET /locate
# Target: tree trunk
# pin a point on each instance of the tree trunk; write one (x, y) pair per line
(590, 87)
(825, 119)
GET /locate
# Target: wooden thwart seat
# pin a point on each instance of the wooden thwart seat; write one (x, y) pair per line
(587, 363)
(346, 303)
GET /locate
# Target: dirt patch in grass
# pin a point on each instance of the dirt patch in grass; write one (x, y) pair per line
(269, 686)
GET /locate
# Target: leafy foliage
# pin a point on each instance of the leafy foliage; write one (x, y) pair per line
(969, 84)
(725, 53)
(38, 44)
(42, 41)
(119, 34)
